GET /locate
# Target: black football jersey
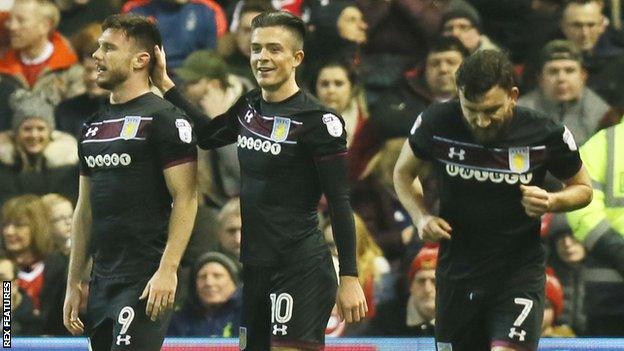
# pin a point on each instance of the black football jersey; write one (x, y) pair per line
(278, 144)
(480, 193)
(124, 149)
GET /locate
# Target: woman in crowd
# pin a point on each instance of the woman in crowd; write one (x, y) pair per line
(42, 272)
(337, 87)
(34, 158)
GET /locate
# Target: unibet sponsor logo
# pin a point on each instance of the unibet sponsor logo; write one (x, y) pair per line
(485, 176)
(265, 146)
(108, 160)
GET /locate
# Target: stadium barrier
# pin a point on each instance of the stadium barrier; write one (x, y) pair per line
(341, 344)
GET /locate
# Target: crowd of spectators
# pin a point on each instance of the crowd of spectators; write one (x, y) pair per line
(378, 63)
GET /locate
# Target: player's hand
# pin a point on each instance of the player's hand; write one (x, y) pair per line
(433, 229)
(216, 100)
(159, 75)
(536, 201)
(160, 292)
(71, 307)
(350, 300)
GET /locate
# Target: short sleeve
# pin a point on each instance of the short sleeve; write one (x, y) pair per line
(421, 136)
(564, 160)
(82, 162)
(173, 138)
(327, 136)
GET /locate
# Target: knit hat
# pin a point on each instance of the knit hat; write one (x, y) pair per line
(554, 292)
(220, 258)
(461, 13)
(427, 258)
(203, 64)
(27, 104)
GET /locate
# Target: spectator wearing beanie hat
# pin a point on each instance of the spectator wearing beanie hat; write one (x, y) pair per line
(466, 27)
(412, 315)
(554, 308)
(34, 158)
(213, 306)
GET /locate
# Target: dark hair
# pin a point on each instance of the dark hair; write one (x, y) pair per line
(448, 43)
(140, 28)
(560, 50)
(482, 71)
(281, 19)
(352, 74)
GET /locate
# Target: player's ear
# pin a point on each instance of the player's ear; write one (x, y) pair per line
(298, 57)
(514, 93)
(140, 60)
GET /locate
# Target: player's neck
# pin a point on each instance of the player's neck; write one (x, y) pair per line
(132, 88)
(288, 89)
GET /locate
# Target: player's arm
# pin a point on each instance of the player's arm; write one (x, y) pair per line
(577, 193)
(211, 132)
(80, 238)
(181, 181)
(410, 193)
(332, 171)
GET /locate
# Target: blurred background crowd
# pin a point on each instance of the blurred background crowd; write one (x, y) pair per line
(378, 63)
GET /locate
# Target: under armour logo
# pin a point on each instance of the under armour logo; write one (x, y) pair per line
(91, 132)
(513, 333)
(282, 329)
(461, 153)
(123, 338)
(248, 116)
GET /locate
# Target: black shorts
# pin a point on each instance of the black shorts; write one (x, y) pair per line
(287, 307)
(116, 318)
(477, 319)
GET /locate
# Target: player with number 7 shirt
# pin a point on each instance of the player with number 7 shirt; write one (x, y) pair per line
(491, 158)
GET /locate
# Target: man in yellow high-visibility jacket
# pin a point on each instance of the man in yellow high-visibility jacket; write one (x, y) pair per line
(600, 226)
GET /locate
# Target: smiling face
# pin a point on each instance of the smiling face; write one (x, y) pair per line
(275, 54)
(214, 284)
(33, 135)
(488, 117)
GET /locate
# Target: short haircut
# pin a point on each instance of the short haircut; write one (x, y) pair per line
(482, 71)
(285, 19)
(560, 50)
(140, 28)
(448, 43)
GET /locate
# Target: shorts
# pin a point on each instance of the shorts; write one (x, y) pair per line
(287, 307)
(477, 319)
(116, 318)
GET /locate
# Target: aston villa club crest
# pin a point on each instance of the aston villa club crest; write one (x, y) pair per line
(281, 127)
(519, 159)
(130, 127)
